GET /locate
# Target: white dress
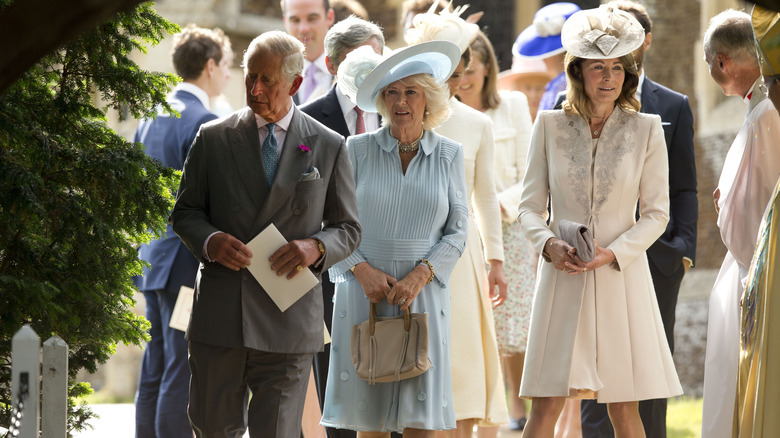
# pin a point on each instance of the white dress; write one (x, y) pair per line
(477, 381)
(748, 177)
(600, 331)
(511, 133)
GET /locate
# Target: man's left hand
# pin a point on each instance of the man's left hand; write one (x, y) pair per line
(294, 256)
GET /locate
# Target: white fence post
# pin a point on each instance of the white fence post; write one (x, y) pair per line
(25, 381)
(54, 408)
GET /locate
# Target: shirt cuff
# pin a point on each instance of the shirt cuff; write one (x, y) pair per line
(206, 246)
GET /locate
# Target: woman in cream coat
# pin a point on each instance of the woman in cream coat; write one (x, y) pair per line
(596, 331)
(511, 134)
(477, 381)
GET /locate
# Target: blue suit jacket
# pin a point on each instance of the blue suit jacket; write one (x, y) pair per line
(326, 110)
(679, 239)
(168, 139)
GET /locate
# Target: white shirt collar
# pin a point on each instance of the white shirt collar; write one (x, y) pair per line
(344, 102)
(639, 86)
(198, 92)
(319, 62)
(283, 123)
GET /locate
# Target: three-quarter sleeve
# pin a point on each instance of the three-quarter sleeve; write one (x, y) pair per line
(446, 252)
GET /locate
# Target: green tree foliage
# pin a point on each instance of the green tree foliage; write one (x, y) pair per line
(74, 196)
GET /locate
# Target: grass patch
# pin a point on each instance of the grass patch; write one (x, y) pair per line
(683, 417)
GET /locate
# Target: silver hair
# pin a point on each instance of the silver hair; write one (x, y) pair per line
(278, 43)
(349, 33)
(730, 33)
(437, 101)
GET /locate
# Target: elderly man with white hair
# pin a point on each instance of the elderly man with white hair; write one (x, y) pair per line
(749, 174)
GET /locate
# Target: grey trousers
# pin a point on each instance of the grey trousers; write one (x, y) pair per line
(235, 388)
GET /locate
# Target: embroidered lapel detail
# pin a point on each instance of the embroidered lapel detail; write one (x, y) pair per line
(573, 141)
(592, 189)
(615, 142)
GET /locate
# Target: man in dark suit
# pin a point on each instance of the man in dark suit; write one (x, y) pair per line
(202, 58)
(674, 252)
(332, 110)
(265, 164)
(309, 21)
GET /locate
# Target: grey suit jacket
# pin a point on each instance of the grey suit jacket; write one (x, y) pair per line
(224, 188)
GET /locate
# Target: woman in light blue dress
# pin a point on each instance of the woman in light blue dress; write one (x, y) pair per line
(412, 205)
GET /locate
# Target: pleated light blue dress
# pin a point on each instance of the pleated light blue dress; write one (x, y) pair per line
(405, 218)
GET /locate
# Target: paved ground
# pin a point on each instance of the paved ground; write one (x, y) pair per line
(118, 421)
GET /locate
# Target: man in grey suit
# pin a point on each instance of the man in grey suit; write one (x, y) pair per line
(265, 164)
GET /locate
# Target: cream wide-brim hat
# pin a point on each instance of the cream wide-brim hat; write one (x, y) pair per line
(602, 33)
(435, 58)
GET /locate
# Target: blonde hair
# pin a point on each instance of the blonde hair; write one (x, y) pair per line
(437, 101)
(577, 102)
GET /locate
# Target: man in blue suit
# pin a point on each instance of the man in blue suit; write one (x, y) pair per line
(674, 252)
(202, 57)
(337, 112)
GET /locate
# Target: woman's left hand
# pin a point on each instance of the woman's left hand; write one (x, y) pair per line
(497, 279)
(407, 288)
(604, 256)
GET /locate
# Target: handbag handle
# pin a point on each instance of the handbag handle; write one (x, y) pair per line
(372, 319)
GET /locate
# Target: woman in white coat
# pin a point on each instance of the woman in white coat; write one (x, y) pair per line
(477, 381)
(596, 331)
(511, 133)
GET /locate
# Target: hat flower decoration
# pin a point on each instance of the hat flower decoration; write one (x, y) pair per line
(602, 33)
(549, 26)
(444, 26)
(355, 69)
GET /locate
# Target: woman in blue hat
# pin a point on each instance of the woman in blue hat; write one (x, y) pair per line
(542, 40)
(413, 209)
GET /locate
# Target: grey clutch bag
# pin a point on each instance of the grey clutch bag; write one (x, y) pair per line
(580, 237)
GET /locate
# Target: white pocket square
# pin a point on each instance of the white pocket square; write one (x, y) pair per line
(310, 175)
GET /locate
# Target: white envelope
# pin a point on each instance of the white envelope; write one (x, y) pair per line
(282, 291)
(182, 309)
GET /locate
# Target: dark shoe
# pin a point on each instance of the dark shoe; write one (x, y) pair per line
(517, 424)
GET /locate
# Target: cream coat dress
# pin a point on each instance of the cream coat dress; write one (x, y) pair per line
(600, 331)
(477, 381)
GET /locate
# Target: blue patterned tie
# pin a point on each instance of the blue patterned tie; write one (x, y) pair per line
(270, 154)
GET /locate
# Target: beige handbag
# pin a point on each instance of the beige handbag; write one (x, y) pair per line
(390, 349)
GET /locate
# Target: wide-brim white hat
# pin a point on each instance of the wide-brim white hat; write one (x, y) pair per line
(436, 58)
(602, 33)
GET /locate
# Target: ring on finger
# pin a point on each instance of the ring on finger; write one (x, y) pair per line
(402, 301)
(299, 267)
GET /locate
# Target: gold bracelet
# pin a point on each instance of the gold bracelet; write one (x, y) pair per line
(430, 266)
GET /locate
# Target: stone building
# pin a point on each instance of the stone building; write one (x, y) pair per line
(675, 60)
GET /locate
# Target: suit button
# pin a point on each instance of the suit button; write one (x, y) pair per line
(236, 207)
(421, 396)
(460, 224)
(459, 194)
(334, 348)
(444, 403)
(297, 211)
(344, 376)
(362, 405)
(342, 313)
(244, 277)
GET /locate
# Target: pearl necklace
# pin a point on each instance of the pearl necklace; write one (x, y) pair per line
(414, 146)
